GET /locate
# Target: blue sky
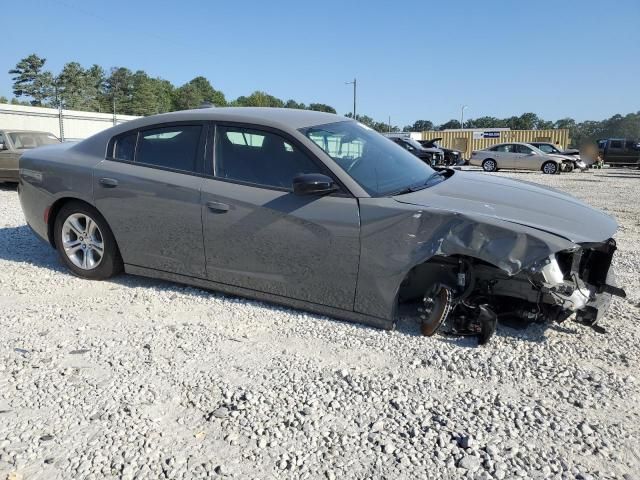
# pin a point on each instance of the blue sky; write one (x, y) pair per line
(413, 59)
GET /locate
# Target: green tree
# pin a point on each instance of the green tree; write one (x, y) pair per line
(195, 93)
(294, 104)
(258, 99)
(4, 99)
(30, 80)
(321, 107)
(419, 126)
(118, 90)
(451, 124)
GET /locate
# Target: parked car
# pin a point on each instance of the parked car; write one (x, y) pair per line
(518, 156)
(451, 156)
(432, 155)
(573, 155)
(14, 143)
(315, 211)
(619, 151)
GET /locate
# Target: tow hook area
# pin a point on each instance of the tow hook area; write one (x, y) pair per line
(437, 313)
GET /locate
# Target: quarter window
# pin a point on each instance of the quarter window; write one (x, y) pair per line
(258, 157)
(170, 147)
(124, 147)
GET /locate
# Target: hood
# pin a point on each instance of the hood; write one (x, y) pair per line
(430, 143)
(515, 201)
(557, 156)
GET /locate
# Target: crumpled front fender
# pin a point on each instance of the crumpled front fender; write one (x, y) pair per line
(396, 237)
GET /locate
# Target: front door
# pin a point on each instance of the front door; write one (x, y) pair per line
(148, 189)
(525, 158)
(260, 235)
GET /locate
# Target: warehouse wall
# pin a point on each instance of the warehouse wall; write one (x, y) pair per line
(76, 124)
(469, 140)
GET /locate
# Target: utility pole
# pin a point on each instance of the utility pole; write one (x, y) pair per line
(462, 116)
(354, 83)
(389, 123)
(58, 97)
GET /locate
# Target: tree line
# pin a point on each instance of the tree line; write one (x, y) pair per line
(126, 91)
(136, 93)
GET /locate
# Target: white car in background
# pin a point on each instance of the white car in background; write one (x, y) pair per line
(518, 156)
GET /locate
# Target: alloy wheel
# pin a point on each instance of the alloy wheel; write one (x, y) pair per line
(82, 241)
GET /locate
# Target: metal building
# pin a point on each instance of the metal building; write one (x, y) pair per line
(467, 140)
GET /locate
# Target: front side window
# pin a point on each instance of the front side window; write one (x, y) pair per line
(523, 149)
(616, 144)
(259, 157)
(173, 147)
(379, 166)
(546, 148)
(505, 148)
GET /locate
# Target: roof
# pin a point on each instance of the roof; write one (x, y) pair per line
(280, 118)
(277, 117)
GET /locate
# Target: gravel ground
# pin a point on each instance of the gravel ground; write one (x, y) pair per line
(136, 378)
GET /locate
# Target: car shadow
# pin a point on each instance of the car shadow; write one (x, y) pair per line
(20, 245)
(8, 187)
(534, 333)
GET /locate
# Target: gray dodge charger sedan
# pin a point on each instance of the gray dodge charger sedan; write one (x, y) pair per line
(318, 212)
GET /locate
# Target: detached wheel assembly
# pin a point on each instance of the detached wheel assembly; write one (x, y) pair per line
(440, 312)
(435, 311)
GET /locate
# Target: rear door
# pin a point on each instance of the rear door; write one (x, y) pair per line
(260, 235)
(148, 189)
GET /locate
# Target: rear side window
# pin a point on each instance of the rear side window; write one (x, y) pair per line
(170, 147)
(507, 148)
(124, 147)
(259, 157)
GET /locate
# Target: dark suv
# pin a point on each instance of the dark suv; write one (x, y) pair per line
(619, 151)
(451, 156)
(431, 156)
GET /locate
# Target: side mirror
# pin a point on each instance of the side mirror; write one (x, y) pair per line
(2, 146)
(313, 184)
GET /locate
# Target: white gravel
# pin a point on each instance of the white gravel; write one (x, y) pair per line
(135, 378)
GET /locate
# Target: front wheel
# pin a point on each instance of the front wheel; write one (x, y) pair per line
(85, 242)
(489, 165)
(550, 168)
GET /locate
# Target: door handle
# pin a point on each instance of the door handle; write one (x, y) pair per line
(108, 182)
(218, 207)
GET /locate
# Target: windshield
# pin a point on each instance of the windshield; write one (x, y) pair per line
(24, 140)
(378, 165)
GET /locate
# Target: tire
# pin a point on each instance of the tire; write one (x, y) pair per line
(490, 165)
(85, 242)
(550, 168)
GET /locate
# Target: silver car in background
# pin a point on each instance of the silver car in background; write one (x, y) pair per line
(318, 212)
(516, 156)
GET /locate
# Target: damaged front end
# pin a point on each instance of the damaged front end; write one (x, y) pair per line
(469, 296)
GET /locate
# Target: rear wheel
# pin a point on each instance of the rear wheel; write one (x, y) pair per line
(85, 242)
(489, 165)
(550, 168)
